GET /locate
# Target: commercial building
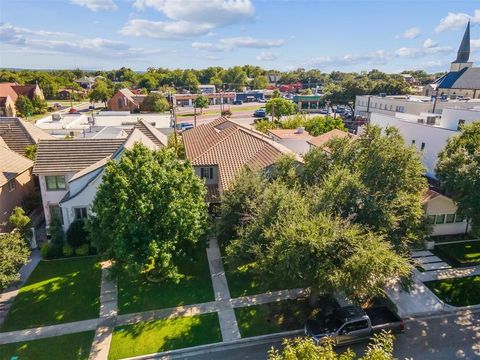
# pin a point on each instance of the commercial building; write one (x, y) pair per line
(213, 99)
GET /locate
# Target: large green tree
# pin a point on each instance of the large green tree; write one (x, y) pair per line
(387, 176)
(14, 253)
(101, 92)
(201, 102)
(150, 211)
(278, 107)
(380, 348)
(458, 169)
(24, 106)
(287, 240)
(155, 102)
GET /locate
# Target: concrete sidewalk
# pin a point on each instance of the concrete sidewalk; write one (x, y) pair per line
(448, 273)
(226, 315)
(420, 300)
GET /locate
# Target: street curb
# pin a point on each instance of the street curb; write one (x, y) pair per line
(219, 346)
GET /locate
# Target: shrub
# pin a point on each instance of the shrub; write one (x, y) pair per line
(226, 113)
(67, 250)
(18, 220)
(56, 232)
(82, 250)
(50, 251)
(13, 254)
(264, 125)
(76, 234)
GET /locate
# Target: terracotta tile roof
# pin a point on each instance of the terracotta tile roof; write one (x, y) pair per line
(25, 90)
(231, 147)
(12, 164)
(321, 140)
(6, 89)
(291, 134)
(64, 156)
(18, 134)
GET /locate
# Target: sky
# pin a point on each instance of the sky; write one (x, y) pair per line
(354, 35)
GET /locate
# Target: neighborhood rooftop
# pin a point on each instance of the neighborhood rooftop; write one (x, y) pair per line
(17, 134)
(61, 156)
(12, 164)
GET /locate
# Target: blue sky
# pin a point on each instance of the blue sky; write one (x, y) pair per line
(329, 35)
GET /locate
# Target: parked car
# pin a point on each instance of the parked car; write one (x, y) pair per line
(184, 126)
(91, 107)
(263, 101)
(260, 113)
(351, 324)
(324, 111)
(238, 102)
(73, 111)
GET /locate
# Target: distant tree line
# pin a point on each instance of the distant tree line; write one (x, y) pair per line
(337, 85)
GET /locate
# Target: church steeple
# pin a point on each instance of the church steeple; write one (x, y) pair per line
(463, 53)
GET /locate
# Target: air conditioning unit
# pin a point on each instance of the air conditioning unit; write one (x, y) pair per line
(420, 120)
(431, 120)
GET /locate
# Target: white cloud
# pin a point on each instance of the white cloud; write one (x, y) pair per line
(96, 5)
(41, 41)
(378, 57)
(266, 56)
(410, 33)
(190, 17)
(228, 44)
(454, 21)
(429, 43)
(475, 44)
(164, 30)
(419, 52)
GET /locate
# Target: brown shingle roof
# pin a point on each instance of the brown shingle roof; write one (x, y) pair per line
(231, 147)
(291, 134)
(321, 140)
(64, 156)
(12, 164)
(151, 132)
(18, 134)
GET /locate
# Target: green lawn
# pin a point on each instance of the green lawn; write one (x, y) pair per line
(58, 291)
(460, 254)
(137, 294)
(66, 347)
(457, 292)
(273, 317)
(163, 335)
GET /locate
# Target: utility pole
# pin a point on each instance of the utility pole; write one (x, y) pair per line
(174, 119)
(194, 116)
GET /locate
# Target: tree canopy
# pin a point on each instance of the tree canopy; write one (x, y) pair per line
(278, 107)
(458, 169)
(150, 211)
(380, 348)
(155, 102)
(201, 102)
(14, 254)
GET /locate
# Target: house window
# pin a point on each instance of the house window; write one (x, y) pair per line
(413, 142)
(81, 213)
(56, 212)
(431, 219)
(55, 182)
(11, 185)
(461, 122)
(206, 173)
(450, 218)
(440, 219)
(423, 146)
(459, 218)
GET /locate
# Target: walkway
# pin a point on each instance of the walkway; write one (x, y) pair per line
(9, 294)
(226, 314)
(108, 316)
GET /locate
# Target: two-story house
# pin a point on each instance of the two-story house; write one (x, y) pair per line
(219, 150)
(70, 171)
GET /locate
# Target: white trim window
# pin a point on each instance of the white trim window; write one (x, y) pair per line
(55, 182)
(12, 184)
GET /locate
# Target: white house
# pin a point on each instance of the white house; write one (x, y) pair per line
(442, 215)
(428, 132)
(70, 171)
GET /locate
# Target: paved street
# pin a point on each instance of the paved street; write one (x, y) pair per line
(444, 337)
